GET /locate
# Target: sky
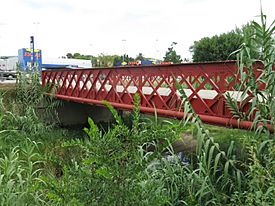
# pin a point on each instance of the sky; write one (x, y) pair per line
(122, 26)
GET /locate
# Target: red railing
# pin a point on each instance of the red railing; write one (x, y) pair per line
(205, 85)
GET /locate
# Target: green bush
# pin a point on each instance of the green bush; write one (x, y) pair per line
(19, 174)
(115, 165)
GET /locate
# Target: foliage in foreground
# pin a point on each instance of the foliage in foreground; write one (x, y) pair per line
(126, 166)
(260, 170)
(257, 77)
(119, 166)
(19, 175)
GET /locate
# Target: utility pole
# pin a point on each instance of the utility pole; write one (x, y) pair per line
(123, 48)
(32, 51)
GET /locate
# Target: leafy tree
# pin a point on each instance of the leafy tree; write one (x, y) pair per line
(97, 61)
(171, 55)
(222, 47)
(127, 58)
(69, 55)
(216, 48)
(106, 60)
(77, 56)
(140, 57)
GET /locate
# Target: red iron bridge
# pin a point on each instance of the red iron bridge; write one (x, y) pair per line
(205, 85)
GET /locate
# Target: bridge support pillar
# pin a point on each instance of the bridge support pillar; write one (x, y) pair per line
(72, 113)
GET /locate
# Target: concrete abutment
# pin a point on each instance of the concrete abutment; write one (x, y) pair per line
(73, 113)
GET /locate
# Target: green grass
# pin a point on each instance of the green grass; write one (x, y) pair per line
(222, 135)
(68, 169)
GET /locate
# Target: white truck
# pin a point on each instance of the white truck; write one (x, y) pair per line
(8, 67)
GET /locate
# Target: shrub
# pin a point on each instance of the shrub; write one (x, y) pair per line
(18, 176)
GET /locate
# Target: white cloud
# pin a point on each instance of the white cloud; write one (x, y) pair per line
(98, 26)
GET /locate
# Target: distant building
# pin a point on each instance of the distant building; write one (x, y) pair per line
(26, 61)
(59, 62)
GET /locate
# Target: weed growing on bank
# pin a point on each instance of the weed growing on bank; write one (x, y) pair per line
(119, 166)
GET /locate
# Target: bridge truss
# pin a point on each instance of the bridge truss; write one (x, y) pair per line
(205, 85)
